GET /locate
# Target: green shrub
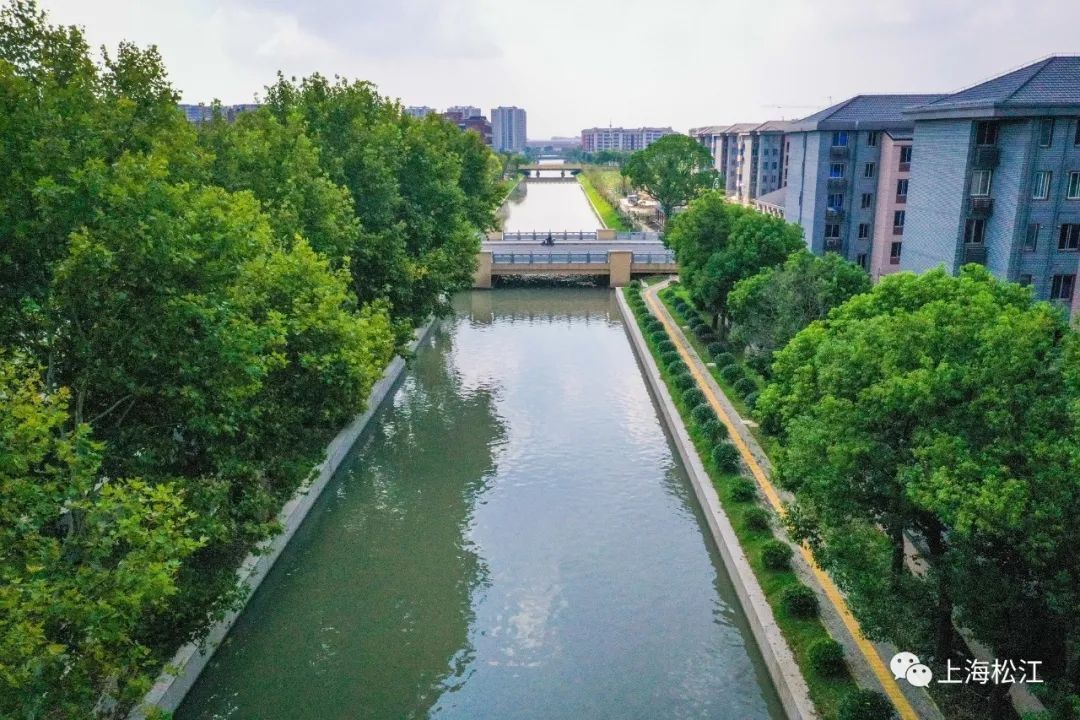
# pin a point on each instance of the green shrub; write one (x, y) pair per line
(861, 704)
(726, 458)
(799, 601)
(756, 518)
(683, 381)
(760, 362)
(702, 413)
(714, 430)
(723, 359)
(658, 336)
(826, 657)
(715, 348)
(707, 337)
(693, 397)
(665, 346)
(751, 399)
(636, 285)
(731, 372)
(677, 367)
(744, 490)
(745, 386)
(776, 555)
(669, 356)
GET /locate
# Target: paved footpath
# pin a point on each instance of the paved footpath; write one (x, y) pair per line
(868, 661)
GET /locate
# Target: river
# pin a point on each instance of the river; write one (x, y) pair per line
(548, 206)
(513, 537)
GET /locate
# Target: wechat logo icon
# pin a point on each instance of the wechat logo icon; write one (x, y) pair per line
(907, 666)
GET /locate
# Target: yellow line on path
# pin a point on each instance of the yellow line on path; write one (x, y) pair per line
(907, 712)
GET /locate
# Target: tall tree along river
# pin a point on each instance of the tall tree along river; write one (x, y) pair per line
(513, 537)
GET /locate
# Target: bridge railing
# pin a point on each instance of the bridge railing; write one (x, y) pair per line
(650, 236)
(559, 235)
(550, 258)
(658, 258)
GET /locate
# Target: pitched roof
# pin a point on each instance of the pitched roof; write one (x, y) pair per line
(870, 112)
(741, 127)
(773, 126)
(709, 130)
(1052, 82)
(776, 197)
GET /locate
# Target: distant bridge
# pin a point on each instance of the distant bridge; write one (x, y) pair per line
(574, 253)
(533, 171)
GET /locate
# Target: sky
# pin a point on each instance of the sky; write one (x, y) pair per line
(574, 64)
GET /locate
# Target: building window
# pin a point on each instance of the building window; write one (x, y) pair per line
(862, 260)
(868, 171)
(901, 190)
(832, 231)
(867, 200)
(835, 201)
(894, 252)
(1076, 139)
(1024, 280)
(905, 155)
(986, 133)
(864, 230)
(1042, 185)
(1069, 239)
(1031, 241)
(836, 170)
(871, 138)
(974, 231)
(898, 218)
(1046, 132)
(839, 138)
(1073, 192)
(980, 182)
(1061, 287)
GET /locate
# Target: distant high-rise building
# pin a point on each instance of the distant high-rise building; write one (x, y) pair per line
(508, 129)
(622, 139)
(466, 111)
(203, 113)
(419, 111)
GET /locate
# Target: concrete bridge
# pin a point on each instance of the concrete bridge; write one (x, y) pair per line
(619, 259)
(565, 171)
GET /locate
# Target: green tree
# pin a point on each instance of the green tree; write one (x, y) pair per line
(674, 169)
(933, 407)
(719, 243)
(769, 308)
(82, 557)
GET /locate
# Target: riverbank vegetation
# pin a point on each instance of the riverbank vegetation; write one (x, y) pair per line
(188, 315)
(794, 610)
(673, 170)
(935, 411)
(606, 208)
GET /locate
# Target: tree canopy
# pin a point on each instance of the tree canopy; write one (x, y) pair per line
(674, 170)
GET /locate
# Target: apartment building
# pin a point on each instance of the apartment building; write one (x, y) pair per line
(996, 180)
(508, 129)
(712, 138)
(890, 203)
(621, 139)
(832, 161)
(419, 111)
(204, 113)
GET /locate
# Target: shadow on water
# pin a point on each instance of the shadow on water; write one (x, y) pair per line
(366, 613)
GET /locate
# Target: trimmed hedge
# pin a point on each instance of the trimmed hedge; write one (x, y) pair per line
(714, 430)
(665, 346)
(723, 359)
(693, 397)
(677, 367)
(715, 348)
(668, 357)
(743, 490)
(776, 555)
(731, 373)
(751, 399)
(683, 381)
(756, 518)
(799, 601)
(861, 704)
(658, 335)
(826, 657)
(726, 458)
(745, 386)
(702, 413)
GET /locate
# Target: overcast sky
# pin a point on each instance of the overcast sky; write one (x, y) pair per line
(580, 63)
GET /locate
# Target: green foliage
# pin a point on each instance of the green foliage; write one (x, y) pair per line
(745, 386)
(668, 357)
(751, 399)
(799, 601)
(756, 518)
(714, 430)
(702, 413)
(665, 346)
(674, 169)
(719, 243)
(693, 397)
(683, 381)
(827, 657)
(726, 458)
(743, 489)
(862, 704)
(716, 349)
(731, 373)
(769, 308)
(723, 359)
(83, 556)
(776, 555)
(658, 336)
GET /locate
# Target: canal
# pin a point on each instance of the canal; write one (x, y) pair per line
(513, 537)
(548, 206)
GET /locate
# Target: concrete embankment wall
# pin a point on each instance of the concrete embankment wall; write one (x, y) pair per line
(184, 669)
(779, 660)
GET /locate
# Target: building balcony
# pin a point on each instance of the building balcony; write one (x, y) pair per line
(898, 230)
(833, 244)
(837, 184)
(980, 206)
(904, 167)
(986, 157)
(975, 253)
(894, 259)
(833, 214)
(838, 152)
(901, 199)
